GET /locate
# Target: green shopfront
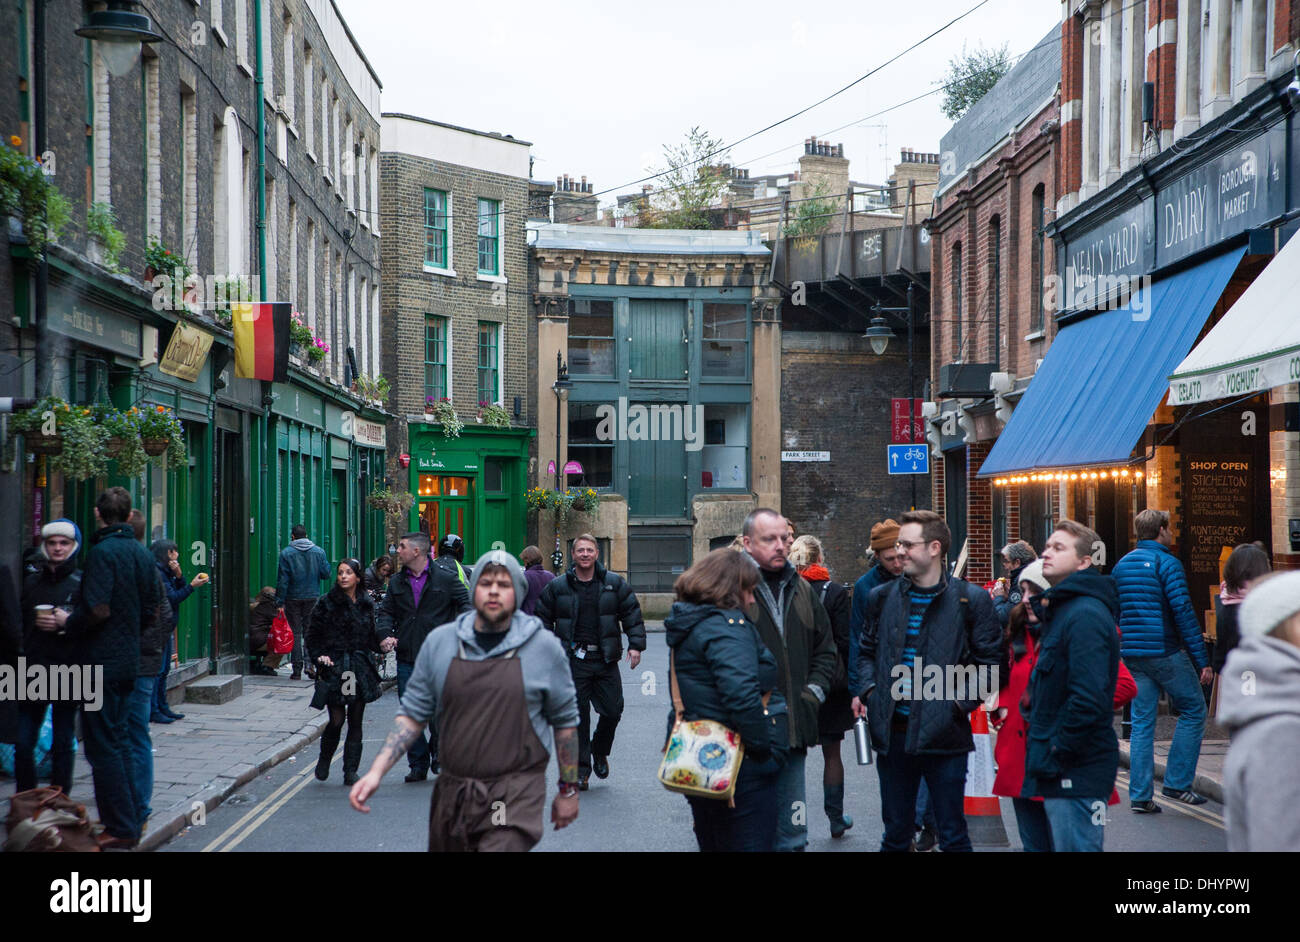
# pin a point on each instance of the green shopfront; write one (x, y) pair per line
(472, 485)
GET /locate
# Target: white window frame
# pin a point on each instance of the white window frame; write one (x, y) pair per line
(450, 270)
(499, 278)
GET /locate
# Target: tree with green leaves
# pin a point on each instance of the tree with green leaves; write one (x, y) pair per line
(969, 77)
(691, 182)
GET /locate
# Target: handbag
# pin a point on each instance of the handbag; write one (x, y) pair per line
(280, 638)
(45, 819)
(702, 758)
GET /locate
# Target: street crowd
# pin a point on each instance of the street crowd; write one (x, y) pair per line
(499, 666)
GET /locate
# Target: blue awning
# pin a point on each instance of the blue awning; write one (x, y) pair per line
(1104, 377)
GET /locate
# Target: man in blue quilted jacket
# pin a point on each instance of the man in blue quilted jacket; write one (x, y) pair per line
(1157, 621)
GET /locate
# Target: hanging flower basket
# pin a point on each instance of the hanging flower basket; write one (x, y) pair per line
(114, 446)
(153, 447)
(39, 444)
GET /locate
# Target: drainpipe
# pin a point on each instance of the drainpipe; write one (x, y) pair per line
(259, 82)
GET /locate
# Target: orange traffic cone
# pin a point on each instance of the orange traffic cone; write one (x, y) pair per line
(983, 810)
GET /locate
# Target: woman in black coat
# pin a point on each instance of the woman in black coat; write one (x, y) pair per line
(723, 670)
(836, 715)
(341, 637)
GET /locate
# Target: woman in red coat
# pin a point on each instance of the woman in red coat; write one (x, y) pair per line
(1009, 750)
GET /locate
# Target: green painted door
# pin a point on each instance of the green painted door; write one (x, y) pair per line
(656, 484)
(338, 522)
(658, 331)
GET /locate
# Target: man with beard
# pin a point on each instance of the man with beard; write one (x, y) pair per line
(495, 684)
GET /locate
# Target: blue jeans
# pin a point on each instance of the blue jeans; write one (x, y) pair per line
(792, 803)
(1175, 675)
(1035, 830)
(900, 778)
(142, 705)
(159, 703)
(108, 750)
(750, 827)
(418, 755)
(1078, 824)
(924, 813)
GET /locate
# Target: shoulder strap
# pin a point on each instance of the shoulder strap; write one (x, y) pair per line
(677, 691)
(822, 598)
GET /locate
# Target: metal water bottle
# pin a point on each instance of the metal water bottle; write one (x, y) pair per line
(862, 739)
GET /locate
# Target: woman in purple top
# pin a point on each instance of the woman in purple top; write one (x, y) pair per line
(537, 577)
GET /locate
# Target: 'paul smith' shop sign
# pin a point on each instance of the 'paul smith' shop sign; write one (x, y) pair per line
(1224, 197)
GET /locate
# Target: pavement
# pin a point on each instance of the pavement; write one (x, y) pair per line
(215, 750)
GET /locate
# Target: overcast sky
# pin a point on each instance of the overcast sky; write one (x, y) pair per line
(598, 88)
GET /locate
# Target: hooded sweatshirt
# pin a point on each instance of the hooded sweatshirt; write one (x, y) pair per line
(302, 567)
(548, 682)
(1259, 702)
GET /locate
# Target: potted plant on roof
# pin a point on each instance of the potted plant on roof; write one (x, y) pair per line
(67, 433)
(300, 334)
(316, 350)
(493, 415)
(163, 436)
(27, 193)
(160, 260)
(444, 413)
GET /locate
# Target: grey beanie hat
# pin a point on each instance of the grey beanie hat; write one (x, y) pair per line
(500, 558)
(1270, 602)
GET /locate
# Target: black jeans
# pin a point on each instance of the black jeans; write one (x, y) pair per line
(598, 684)
(30, 717)
(900, 777)
(422, 750)
(108, 749)
(298, 612)
(750, 827)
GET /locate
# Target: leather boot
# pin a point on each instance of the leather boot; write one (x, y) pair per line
(329, 741)
(833, 802)
(351, 760)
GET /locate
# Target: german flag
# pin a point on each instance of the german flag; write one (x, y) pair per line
(262, 340)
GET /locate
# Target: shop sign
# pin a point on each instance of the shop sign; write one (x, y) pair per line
(1104, 262)
(186, 351)
(1225, 196)
(364, 432)
(104, 329)
(1218, 512)
(805, 456)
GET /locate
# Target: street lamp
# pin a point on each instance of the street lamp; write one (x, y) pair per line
(119, 31)
(879, 335)
(561, 388)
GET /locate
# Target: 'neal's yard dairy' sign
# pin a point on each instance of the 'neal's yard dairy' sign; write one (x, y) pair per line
(1104, 262)
(1236, 191)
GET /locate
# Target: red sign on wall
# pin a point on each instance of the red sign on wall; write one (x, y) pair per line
(898, 412)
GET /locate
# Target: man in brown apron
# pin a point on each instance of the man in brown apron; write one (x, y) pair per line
(496, 684)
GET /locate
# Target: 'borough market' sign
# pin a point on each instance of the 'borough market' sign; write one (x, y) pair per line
(1224, 197)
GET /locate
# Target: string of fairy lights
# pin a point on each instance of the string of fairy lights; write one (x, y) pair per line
(1081, 474)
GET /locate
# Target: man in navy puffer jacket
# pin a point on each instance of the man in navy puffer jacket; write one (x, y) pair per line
(1157, 620)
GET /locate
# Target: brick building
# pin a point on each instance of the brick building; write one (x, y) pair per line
(1176, 188)
(456, 326)
(168, 140)
(991, 311)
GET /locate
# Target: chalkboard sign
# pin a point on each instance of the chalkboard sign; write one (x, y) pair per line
(1218, 511)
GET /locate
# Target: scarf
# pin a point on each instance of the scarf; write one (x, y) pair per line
(1228, 597)
(816, 573)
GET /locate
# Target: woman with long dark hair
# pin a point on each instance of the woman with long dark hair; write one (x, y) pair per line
(723, 670)
(168, 555)
(341, 638)
(1247, 564)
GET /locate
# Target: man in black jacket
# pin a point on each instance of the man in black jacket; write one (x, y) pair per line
(119, 600)
(584, 608)
(923, 627)
(1072, 754)
(421, 597)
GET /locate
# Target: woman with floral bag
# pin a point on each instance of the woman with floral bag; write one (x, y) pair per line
(721, 671)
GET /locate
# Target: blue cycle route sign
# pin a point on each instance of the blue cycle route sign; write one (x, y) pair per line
(908, 459)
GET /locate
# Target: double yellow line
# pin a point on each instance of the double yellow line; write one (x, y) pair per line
(262, 811)
(1192, 811)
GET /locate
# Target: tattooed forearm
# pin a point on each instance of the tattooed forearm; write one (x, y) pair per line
(566, 753)
(403, 735)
